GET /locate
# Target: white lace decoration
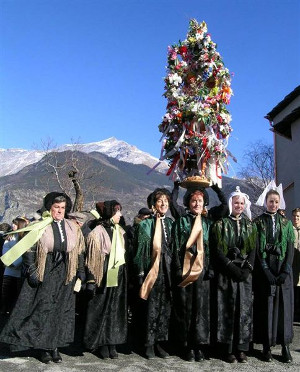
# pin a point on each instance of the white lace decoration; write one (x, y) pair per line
(164, 228)
(274, 224)
(60, 231)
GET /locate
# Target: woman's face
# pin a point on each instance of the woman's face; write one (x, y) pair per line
(14, 226)
(58, 210)
(116, 217)
(238, 205)
(272, 203)
(196, 203)
(162, 205)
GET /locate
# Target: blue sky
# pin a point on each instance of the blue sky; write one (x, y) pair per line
(86, 70)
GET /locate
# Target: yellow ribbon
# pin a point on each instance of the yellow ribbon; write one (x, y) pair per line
(156, 252)
(116, 257)
(95, 213)
(35, 231)
(193, 264)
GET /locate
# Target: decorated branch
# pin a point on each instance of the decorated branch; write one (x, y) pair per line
(196, 125)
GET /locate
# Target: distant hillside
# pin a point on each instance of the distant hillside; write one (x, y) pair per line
(105, 178)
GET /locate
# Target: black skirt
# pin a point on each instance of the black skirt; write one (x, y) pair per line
(43, 317)
(106, 320)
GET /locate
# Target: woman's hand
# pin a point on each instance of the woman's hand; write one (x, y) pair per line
(33, 280)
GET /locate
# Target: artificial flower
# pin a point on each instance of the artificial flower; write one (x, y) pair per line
(175, 79)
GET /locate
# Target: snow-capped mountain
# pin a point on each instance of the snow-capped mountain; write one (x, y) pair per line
(13, 160)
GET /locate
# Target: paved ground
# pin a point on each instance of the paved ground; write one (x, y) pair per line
(76, 359)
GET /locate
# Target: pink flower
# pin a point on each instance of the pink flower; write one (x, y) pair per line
(172, 53)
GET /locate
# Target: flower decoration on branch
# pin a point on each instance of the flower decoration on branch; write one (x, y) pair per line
(196, 125)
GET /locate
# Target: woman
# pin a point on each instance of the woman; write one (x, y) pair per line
(106, 320)
(191, 309)
(44, 315)
(273, 295)
(152, 265)
(213, 213)
(233, 245)
(12, 281)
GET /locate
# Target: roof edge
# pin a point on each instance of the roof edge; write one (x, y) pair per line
(284, 103)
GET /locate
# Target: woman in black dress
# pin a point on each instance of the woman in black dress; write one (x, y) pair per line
(190, 321)
(44, 315)
(152, 267)
(233, 248)
(273, 290)
(106, 320)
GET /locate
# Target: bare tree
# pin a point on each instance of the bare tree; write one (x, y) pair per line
(258, 170)
(70, 171)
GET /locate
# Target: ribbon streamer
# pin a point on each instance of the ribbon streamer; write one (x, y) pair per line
(116, 257)
(35, 231)
(176, 147)
(156, 252)
(193, 263)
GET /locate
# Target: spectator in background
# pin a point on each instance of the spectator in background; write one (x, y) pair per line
(143, 214)
(4, 228)
(296, 263)
(12, 281)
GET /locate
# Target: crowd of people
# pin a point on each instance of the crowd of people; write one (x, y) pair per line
(180, 280)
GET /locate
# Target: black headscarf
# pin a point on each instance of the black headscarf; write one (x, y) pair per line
(107, 209)
(50, 199)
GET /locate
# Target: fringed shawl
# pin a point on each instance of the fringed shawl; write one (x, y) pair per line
(98, 245)
(75, 246)
(143, 242)
(284, 234)
(225, 237)
(182, 230)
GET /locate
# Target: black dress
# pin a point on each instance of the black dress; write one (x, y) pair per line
(106, 320)
(44, 317)
(152, 316)
(190, 321)
(273, 304)
(233, 247)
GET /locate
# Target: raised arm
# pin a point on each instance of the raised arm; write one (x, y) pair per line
(175, 209)
(221, 210)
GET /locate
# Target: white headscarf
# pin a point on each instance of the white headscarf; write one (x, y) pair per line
(261, 201)
(238, 192)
